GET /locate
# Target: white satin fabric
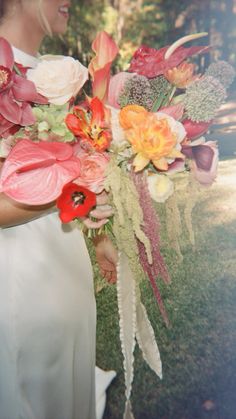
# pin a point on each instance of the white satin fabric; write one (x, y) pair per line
(47, 321)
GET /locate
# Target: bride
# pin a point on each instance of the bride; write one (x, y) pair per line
(47, 305)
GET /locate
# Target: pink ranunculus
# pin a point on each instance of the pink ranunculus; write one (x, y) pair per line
(106, 50)
(195, 129)
(92, 170)
(116, 86)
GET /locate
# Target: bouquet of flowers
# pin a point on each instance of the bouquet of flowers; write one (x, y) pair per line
(139, 134)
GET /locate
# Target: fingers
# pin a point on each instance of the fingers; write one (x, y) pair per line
(101, 213)
(94, 224)
(102, 198)
(109, 276)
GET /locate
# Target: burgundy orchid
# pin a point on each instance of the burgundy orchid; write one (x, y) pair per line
(204, 156)
(16, 92)
(151, 62)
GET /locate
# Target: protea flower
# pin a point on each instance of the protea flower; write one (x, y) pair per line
(151, 62)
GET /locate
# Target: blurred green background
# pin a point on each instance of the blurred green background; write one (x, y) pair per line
(156, 23)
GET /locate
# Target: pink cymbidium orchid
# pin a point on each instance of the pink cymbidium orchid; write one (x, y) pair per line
(16, 92)
(99, 68)
(35, 173)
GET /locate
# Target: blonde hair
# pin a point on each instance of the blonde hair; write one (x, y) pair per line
(43, 20)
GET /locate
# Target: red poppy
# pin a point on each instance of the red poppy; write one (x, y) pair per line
(74, 202)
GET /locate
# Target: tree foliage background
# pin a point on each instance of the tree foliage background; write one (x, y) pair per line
(156, 23)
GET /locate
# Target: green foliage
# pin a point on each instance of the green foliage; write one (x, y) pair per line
(155, 23)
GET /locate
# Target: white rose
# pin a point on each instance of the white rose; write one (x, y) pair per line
(160, 187)
(58, 78)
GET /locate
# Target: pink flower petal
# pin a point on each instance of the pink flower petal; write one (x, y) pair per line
(99, 68)
(9, 109)
(6, 54)
(24, 90)
(35, 174)
(176, 111)
(116, 86)
(195, 129)
(27, 115)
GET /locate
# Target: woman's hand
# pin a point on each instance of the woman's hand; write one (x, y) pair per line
(102, 212)
(107, 257)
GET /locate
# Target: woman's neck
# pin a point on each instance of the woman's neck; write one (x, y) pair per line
(21, 36)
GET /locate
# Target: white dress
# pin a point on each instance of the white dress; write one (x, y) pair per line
(47, 319)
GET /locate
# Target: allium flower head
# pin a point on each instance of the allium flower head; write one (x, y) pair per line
(137, 91)
(160, 85)
(203, 99)
(222, 71)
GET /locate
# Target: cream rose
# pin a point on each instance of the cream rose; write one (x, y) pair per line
(160, 187)
(58, 78)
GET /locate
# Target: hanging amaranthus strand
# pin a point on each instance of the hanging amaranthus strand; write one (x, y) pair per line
(151, 229)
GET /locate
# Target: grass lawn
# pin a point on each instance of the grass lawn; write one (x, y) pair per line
(199, 349)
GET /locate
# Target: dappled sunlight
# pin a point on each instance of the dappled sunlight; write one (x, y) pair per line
(220, 200)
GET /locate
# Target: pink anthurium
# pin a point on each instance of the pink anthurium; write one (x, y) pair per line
(35, 173)
(16, 93)
(99, 68)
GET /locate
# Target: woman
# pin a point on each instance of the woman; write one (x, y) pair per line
(47, 306)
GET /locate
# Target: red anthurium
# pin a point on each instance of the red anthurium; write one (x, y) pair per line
(91, 124)
(99, 68)
(16, 92)
(74, 202)
(151, 62)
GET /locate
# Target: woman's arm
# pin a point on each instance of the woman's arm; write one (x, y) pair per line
(12, 213)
